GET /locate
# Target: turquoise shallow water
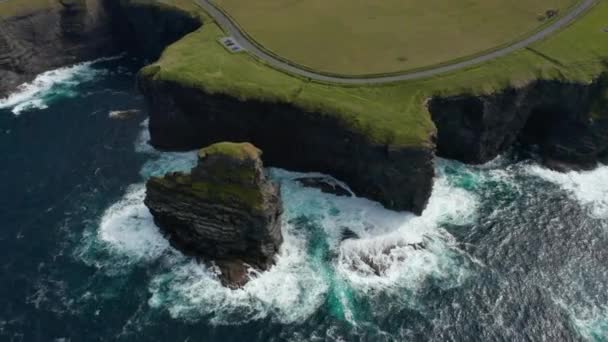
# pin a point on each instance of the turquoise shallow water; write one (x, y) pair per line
(512, 251)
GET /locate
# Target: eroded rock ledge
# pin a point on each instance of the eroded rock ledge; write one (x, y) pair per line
(567, 121)
(225, 211)
(65, 32)
(184, 118)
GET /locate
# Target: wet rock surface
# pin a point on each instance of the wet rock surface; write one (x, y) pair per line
(568, 122)
(224, 211)
(63, 33)
(326, 185)
(183, 118)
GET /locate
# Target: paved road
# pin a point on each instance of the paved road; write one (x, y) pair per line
(234, 31)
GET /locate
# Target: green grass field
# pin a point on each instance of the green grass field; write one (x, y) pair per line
(364, 37)
(392, 113)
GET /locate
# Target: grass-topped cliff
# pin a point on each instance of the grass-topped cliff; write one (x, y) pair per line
(394, 113)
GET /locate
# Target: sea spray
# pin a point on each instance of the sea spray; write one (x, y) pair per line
(51, 85)
(314, 268)
(590, 188)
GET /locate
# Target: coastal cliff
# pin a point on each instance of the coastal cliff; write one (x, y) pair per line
(37, 39)
(567, 121)
(183, 118)
(146, 28)
(379, 140)
(225, 210)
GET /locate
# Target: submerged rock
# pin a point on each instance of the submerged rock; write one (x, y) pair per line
(348, 234)
(326, 185)
(225, 210)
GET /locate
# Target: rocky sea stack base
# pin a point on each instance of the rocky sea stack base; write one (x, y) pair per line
(224, 211)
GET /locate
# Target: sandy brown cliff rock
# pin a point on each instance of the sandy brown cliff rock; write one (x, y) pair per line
(225, 211)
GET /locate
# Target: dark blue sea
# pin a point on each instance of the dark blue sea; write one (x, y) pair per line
(511, 251)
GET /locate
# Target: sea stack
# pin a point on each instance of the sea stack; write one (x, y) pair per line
(225, 211)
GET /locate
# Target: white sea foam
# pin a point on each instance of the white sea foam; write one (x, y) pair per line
(48, 85)
(289, 292)
(402, 250)
(590, 188)
(141, 143)
(311, 266)
(592, 324)
(394, 250)
(161, 163)
(590, 320)
(127, 228)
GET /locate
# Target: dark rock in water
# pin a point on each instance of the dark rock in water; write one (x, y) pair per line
(225, 211)
(325, 184)
(348, 234)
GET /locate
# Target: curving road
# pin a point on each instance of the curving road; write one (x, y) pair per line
(242, 39)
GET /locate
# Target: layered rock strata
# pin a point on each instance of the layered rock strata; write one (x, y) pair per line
(183, 118)
(567, 121)
(225, 210)
(145, 28)
(62, 33)
(65, 32)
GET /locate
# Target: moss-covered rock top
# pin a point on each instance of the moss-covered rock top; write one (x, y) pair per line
(240, 151)
(227, 173)
(221, 193)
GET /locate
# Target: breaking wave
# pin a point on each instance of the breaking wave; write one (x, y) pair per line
(53, 84)
(394, 251)
(590, 188)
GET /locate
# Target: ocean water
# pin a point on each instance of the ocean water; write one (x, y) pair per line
(507, 251)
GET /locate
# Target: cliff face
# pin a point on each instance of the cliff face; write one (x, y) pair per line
(568, 121)
(71, 31)
(225, 210)
(66, 32)
(183, 118)
(146, 28)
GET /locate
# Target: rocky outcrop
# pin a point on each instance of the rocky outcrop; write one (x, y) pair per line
(183, 118)
(225, 211)
(567, 121)
(64, 32)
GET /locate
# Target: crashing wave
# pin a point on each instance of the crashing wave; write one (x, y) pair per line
(590, 188)
(49, 85)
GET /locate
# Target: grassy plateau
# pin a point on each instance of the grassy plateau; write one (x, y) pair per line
(393, 113)
(375, 37)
